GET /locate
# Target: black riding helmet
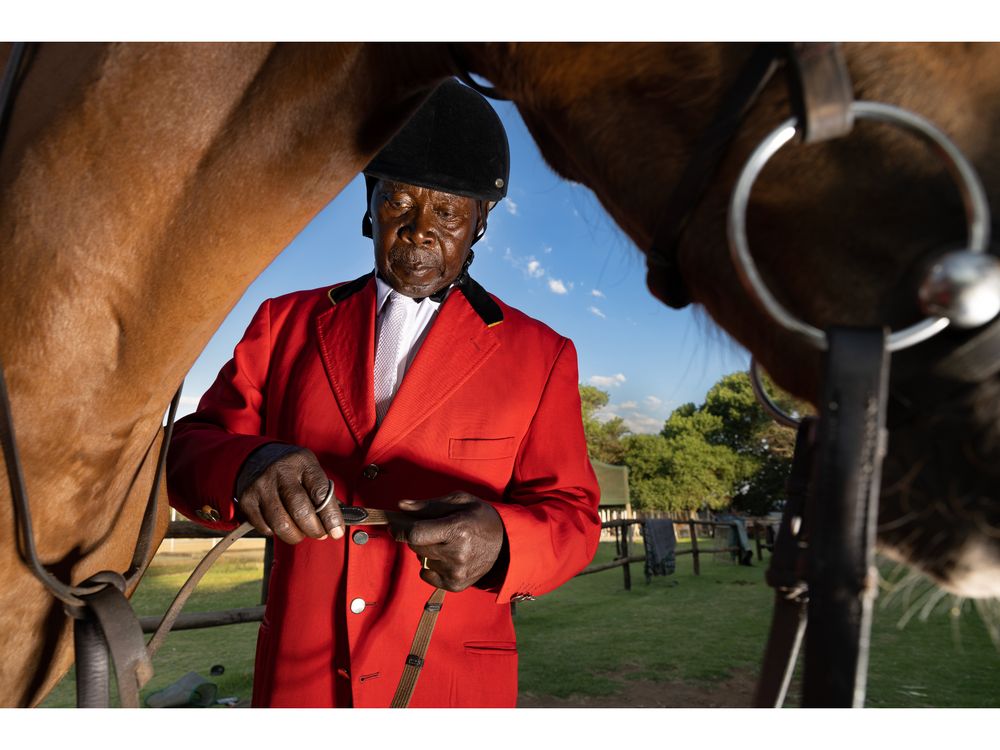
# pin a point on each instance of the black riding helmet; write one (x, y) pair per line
(454, 143)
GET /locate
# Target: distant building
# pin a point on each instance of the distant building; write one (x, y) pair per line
(615, 503)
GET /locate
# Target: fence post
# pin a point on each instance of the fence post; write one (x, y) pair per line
(757, 528)
(626, 553)
(268, 559)
(694, 548)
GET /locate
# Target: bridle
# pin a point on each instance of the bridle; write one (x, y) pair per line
(823, 567)
(823, 120)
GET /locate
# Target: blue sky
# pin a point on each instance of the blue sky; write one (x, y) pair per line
(553, 252)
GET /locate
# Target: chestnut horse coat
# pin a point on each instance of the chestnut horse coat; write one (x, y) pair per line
(490, 405)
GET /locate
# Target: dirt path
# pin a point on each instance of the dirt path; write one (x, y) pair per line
(736, 692)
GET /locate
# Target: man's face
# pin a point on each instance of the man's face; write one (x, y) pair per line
(422, 236)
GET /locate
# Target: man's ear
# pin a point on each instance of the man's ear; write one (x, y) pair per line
(484, 210)
(483, 215)
(366, 221)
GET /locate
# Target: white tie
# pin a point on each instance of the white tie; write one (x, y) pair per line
(393, 320)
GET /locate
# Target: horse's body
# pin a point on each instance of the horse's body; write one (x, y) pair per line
(145, 186)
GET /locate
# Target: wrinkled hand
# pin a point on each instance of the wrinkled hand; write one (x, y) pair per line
(459, 534)
(282, 501)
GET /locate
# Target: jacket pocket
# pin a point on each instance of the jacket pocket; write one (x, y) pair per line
(481, 448)
(500, 648)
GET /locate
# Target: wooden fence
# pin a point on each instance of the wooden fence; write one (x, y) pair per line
(624, 558)
(623, 529)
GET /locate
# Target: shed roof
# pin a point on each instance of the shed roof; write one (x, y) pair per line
(613, 481)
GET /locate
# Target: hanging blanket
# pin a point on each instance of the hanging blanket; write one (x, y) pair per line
(658, 534)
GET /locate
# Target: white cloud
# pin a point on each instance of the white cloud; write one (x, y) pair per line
(635, 420)
(607, 381)
(643, 423)
(597, 293)
(596, 311)
(510, 206)
(556, 286)
(652, 402)
(529, 266)
(547, 249)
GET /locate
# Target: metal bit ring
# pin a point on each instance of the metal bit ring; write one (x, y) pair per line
(971, 189)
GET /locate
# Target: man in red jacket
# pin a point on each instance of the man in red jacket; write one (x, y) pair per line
(409, 391)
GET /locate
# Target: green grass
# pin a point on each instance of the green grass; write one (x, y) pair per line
(701, 629)
(591, 637)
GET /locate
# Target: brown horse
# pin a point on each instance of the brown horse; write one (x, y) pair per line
(127, 165)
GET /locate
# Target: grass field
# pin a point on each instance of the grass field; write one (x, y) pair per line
(684, 640)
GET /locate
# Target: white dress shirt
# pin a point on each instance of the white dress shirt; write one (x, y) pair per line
(419, 316)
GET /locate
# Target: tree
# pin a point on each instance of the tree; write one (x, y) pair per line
(728, 452)
(604, 439)
(681, 470)
(764, 446)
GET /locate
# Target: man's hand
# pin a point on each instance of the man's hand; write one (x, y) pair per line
(282, 501)
(459, 535)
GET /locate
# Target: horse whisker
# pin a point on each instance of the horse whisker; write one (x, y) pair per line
(931, 603)
(915, 607)
(989, 613)
(903, 520)
(905, 480)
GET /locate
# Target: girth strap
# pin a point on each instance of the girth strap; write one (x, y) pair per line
(116, 630)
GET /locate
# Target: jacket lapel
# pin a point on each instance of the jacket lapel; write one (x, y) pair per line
(346, 334)
(458, 344)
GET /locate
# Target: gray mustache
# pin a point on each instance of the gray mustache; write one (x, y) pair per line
(410, 256)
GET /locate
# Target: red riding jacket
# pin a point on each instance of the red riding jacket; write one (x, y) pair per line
(490, 405)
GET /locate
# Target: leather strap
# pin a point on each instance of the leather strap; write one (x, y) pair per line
(174, 610)
(821, 95)
(8, 84)
(353, 516)
(842, 512)
(699, 172)
(787, 575)
(415, 660)
(117, 631)
(821, 90)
